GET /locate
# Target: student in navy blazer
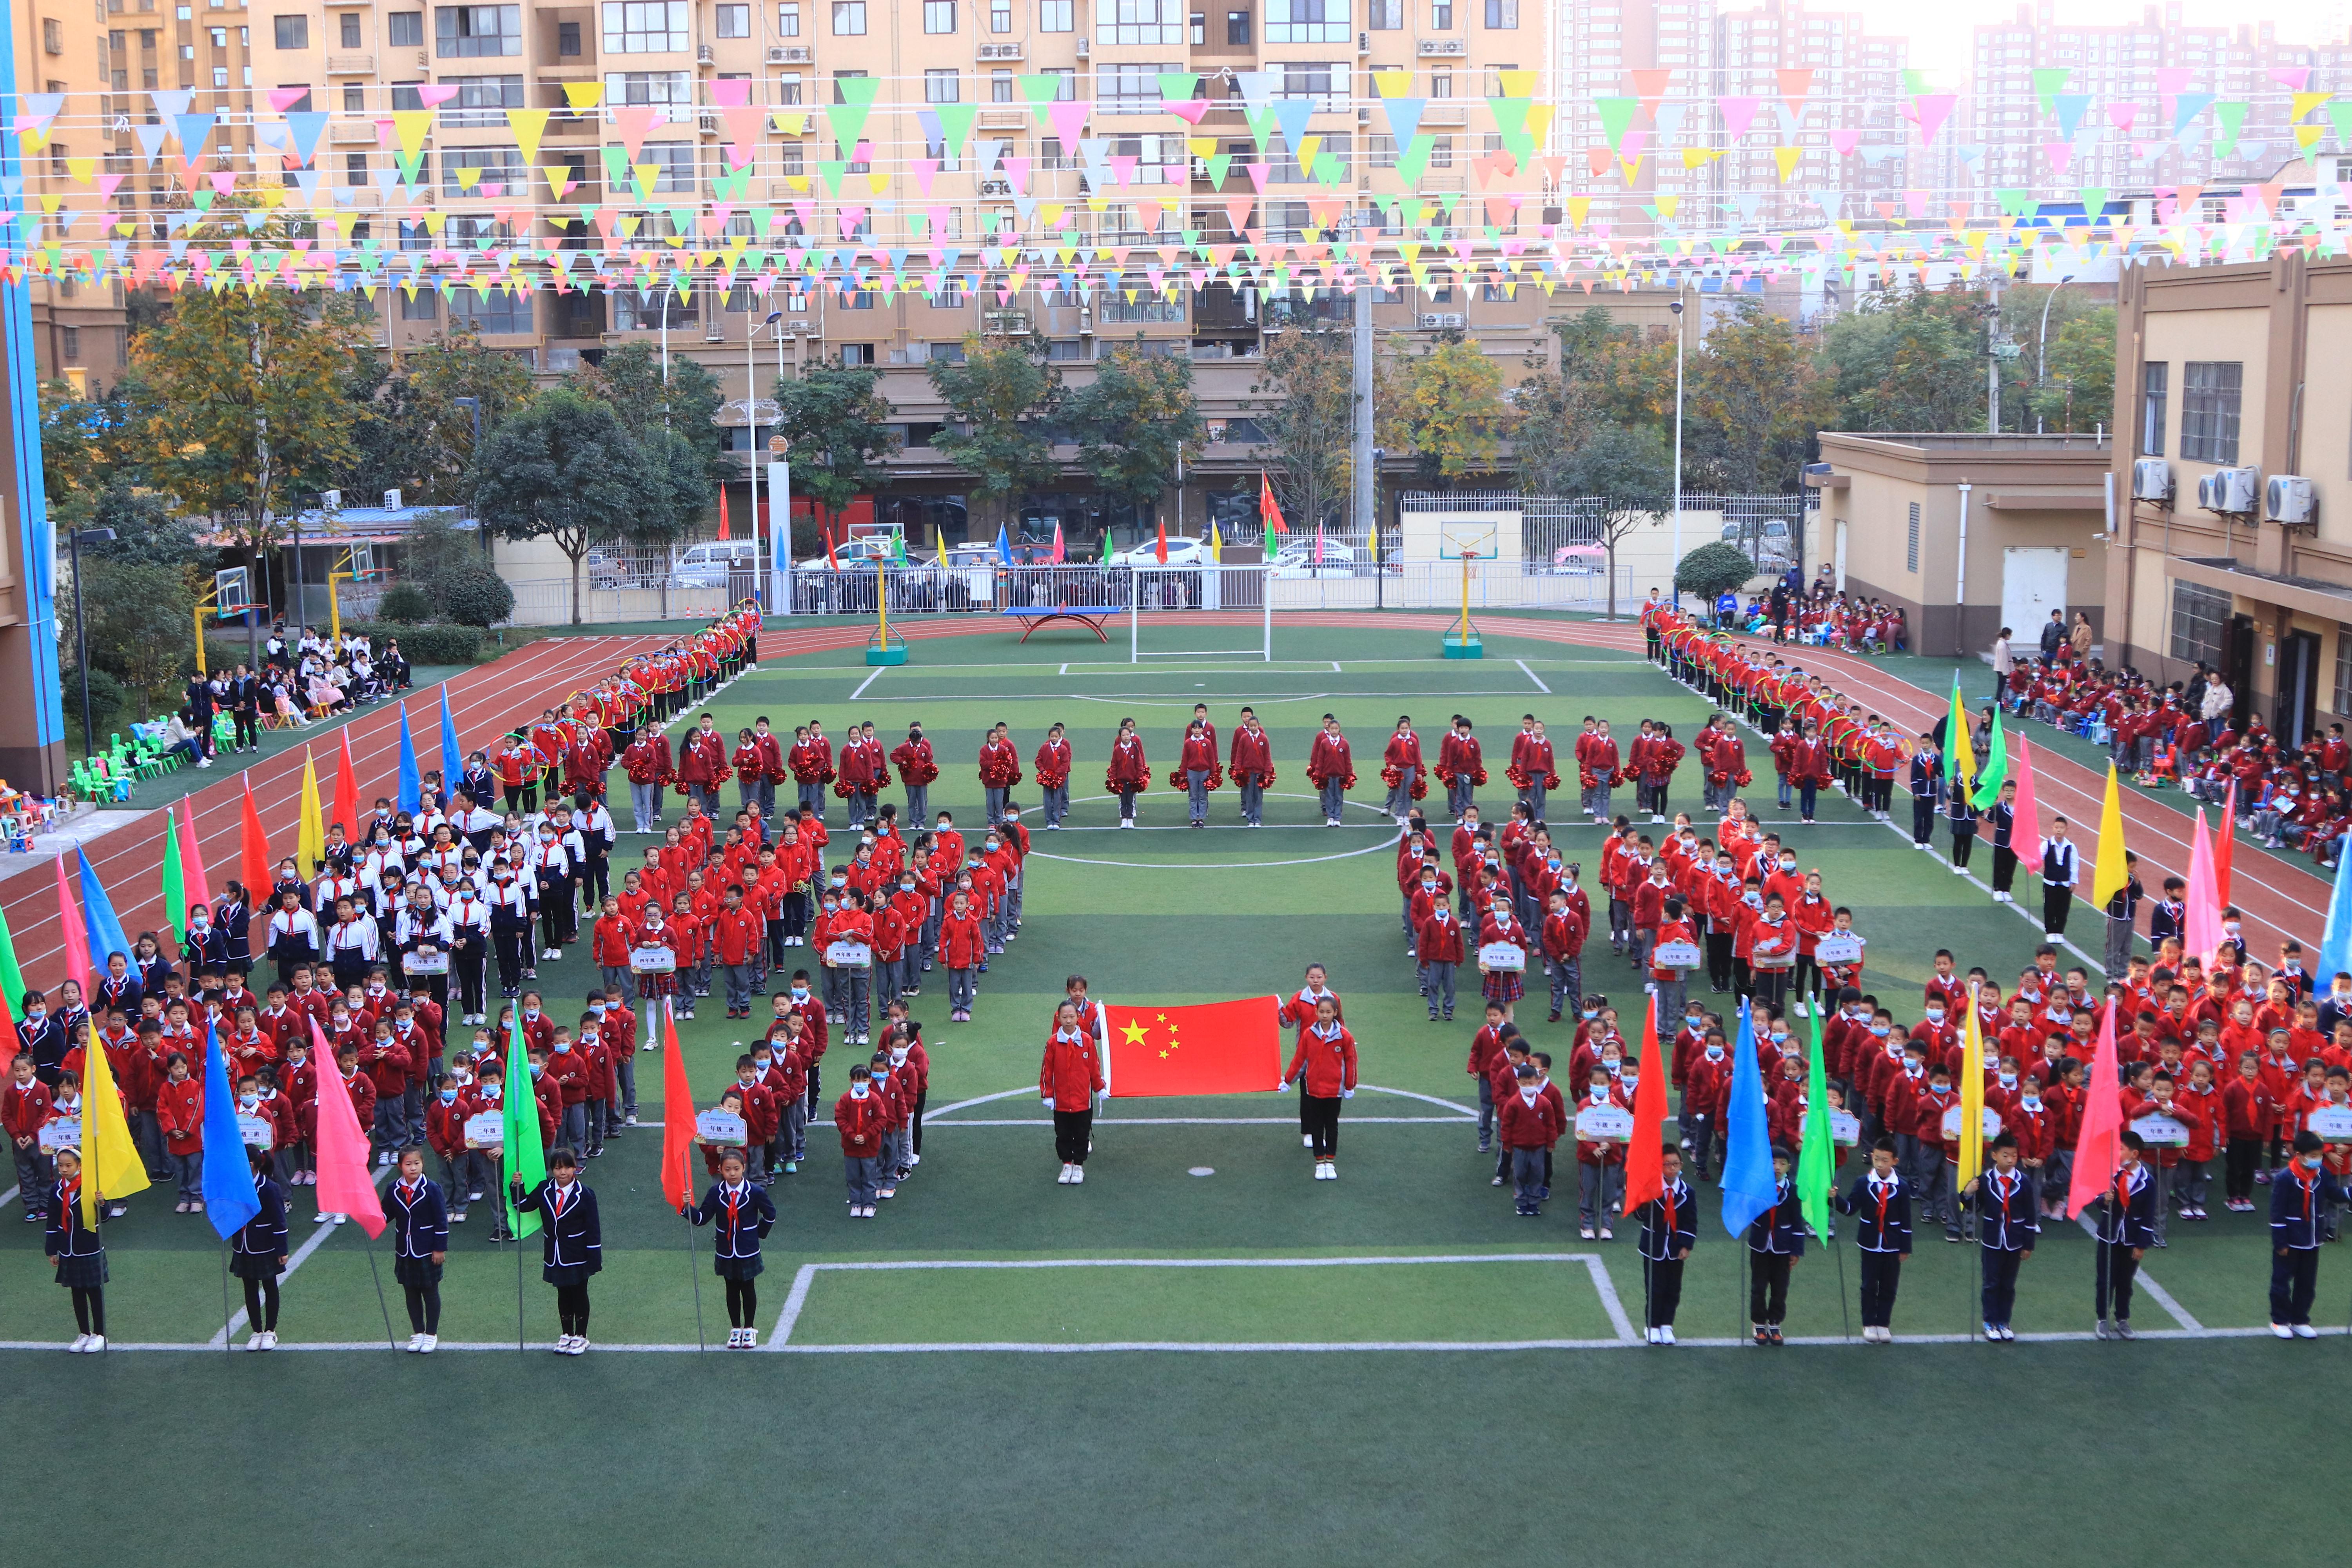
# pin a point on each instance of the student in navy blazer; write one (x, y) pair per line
(78, 1252)
(740, 1215)
(420, 1231)
(2123, 1225)
(1776, 1239)
(257, 1253)
(1881, 1200)
(571, 1243)
(1669, 1231)
(2007, 1228)
(2301, 1196)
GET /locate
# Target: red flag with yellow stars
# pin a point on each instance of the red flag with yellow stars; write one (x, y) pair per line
(1215, 1047)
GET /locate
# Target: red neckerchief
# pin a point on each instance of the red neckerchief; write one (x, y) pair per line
(1666, 1204)
(1886, 1195)
(733, 1197)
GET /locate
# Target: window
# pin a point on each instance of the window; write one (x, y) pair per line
(70, 345)
(848, 18)
(1911, 549)
(1286, 168)
(1237, 27)
(1054, 16)
(490, 310)
(856, 355)
(2208, 410)
(424, 305)
(405, 29)
(567, 40)
(1502, 13)
(1304, 22)
(465, 32)
(482, 100)
(2199, 619)
(787, 19)
(494, 171)
(1326, 84)
(734, 21)
(53, 39)
(788, 86)
(293, 32)
(1112, 304)
(629, 88)
(1000, 87)
(1440, 15)
(644, 26)
(2343, 670)
(352, 37)
(1129, 87)
(355, 168)
(1000, 16)
(1138, 22)
(673, 159)
(1441, 152)
(942, 86)
(938, 16)
(645, 311)
(2155, 394)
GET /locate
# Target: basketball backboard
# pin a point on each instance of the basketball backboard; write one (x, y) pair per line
(232, 592)
(1467, 540)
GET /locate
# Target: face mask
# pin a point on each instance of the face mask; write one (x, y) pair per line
(897, 1057)
(35, 1015)
(1914, 1068)
(248, 1100)
(2009, 1081)
(1935, 1015)
(858, 1091)
(905, 886)
(746, 1082)
(2311, 1161)
(531, 1013)
(1714, 1053)
(1882, 1030)
(1629, 1080)
(1789, 864)
(1779, 1036)
(841, 882)
(448, 1097)
(562, 1048)
(799, 992)
(1592, 1012)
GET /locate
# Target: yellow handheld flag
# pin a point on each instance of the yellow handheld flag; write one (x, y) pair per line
(110, 1165)
(2109, 874)
(1972, 1087)
(1960, 753)
(311, 838)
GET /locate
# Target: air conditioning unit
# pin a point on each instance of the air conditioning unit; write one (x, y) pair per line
(1085, 321)
(392, 501)
(1085, 48)
(1442, 46)
(704, 55)
(789, 54)
(1434, 320)
(1000, 51)
(796, 323)
(2152, 479)
(2288, 499)
(1363, 43)
(707, 121)
(996, 188)
(2229, 490)
(330, 500)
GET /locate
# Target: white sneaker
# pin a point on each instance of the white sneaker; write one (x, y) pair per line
(96, 1343)
(1064, 1179)
(1077, 1178)
(1330, 1170)
(254, 1342)
(1666, 1334)
(2306, 1331)
(562, 1345)
(2281, 1331)
(1649, 1336)
(81, 1341)
(750, 1339)
(321, 1217)
(734, 1339)
(414, 1341)
(579, 1344)
(1307, 1140)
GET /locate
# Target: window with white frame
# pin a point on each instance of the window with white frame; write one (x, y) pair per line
(942, 86)
(465, 32)
(938, 16)
(787, 19)
(1054, 16)
(1306, 22)
(1140, 21)
(734, 21)
(647, 26)
(848, 18)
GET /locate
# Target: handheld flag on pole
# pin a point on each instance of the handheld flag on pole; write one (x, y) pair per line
(11, 978)
(1106, 549)
(412, 784)
(1267, 509)
(677, 1121)
(453, 760)
(1645, 1167)
(98, 914)
(1972, 1091)
(526, 1155)
(1060, 547)
(2109, 874)
(74, 933)
(346, 790)
(1749, 1188)
(230, 1200)
(1003, 546)
(723, 532)
(2335, 939)
(311, 838)
(1160, 551)
(2225, 840)
(196, 889)
(175, 881)
(344, 1186)
(1216, 543)
(256, 846)
(1996, 767)
(1817, 1159)
(2026, 830)
(2202, 926)
(1960, 751)
(2097, 1151)
(110, 1165)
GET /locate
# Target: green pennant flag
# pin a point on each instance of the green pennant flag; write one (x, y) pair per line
(11, 979)
(846, 119)
(1996, 766)
(175, 885)
(526, 1155)
(1817, 1159)
(1106, 561)
(1616, 118)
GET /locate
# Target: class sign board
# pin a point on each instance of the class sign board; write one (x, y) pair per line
(720, 1127)
(2332, 1123)
(1604, 1123)
(652, 960)
(1506, 955)
(2159, 1130)
(1953, 1120)
(849, 955)
(1676, 955)
(486, 1130)
(65, 1132)
(424, 961)
(1836, 948)
(255, 1132)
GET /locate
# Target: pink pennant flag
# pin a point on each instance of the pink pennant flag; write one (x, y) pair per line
(1738, 112)
(730, 93)
(433, 95)
(1189, 111)
(283, 98)
(2203, 927)
(344, 1186)
(2098, 1148)
(1845, 141)
(2060, 154)
(77, 934)
(2170, 79)
(1068, 120)
(2025, 832)
(1934, 109)
(2121, 115)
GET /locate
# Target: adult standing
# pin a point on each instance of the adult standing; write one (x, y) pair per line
(2081, 638)
(2053, 634)
(245, 709)
(2003, 662)
(200, 716)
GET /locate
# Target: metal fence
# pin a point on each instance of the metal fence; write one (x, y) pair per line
(1768, 528)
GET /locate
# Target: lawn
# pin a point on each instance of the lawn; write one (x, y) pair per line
(1337, 1370)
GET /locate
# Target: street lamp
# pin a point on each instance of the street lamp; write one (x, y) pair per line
(74, 541)
(474, 459)
(1673, 564)
(2042, 341)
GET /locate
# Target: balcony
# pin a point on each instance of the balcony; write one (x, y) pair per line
(343, 132)
(351, 64)
(1446, 111)
(1003, 119)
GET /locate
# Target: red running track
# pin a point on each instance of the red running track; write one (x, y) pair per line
(486, 703)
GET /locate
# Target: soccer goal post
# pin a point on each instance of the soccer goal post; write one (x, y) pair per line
(1198, 604)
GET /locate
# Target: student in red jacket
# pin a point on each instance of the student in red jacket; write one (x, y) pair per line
(179, 1110)
(2249, 1115)
(962, 946)
(1325, 1062)
(1068, 1081)
(24, 1106)
(1530, 1124)
(862, 1120)
(1331, 769)
(1252, 767)
(1401, 770)
(1129, 773)
(1438, 942)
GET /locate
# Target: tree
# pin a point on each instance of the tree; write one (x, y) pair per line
(453, 573)
(1310, 422)
(1445, 406)
(1001, 400)
(145, 529)
(1750, 405)
(1713, 569)
(630, 377)
(437, 436)
(839, 429)
(241, 409)
(1913, 363)
(564, 466)
(139, 616)
(1627, 469)
(1136, 421)
(677, 469)
(2079, 393)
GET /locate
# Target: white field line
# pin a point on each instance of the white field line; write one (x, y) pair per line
(1531, 675)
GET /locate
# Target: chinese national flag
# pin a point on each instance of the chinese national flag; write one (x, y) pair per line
(1266, 507)
(1217, 1047)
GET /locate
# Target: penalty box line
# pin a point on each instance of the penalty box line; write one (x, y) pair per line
(795, 1303)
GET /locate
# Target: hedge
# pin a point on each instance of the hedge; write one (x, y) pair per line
(422, 645)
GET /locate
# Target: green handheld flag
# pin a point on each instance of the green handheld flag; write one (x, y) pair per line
(526, 1155)
(175, 883)
(11, 979)
(1106, 555)
(1817, 1160)
(1996, 767)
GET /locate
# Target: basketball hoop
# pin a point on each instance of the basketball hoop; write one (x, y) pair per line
(1465, 541)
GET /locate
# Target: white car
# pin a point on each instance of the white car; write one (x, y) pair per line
(1296, 559)
(1181, 553)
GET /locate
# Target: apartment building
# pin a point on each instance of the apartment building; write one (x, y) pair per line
(2111, 109)
(60, 48)
(1852, 81)
(1127, 178)
(2236, 369)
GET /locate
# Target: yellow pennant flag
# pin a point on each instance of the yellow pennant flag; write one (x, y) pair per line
(311, 838)
(529, 125)
(2109, 874)
(1216, 543)
(1972, 1087)
(110, 1165)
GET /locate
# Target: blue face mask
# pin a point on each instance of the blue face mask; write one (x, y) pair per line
(562, 1048)
(448, 1097)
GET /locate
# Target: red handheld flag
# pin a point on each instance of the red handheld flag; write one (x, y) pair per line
(2098, 1148)
(347, 789)
(1160, 551)
(257, 874)
(1645, 1171)
(2224, 840)
(1213, 1048)
(1266, 507)
(76, 933)
(678, 1120)
(722, 512)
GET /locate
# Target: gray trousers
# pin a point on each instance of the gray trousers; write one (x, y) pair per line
(739, 986)
(1532, 798)
(1057, 804)
(864, 1176)
(1437, 986)
(1596, 801)
(1401, 797)
(1334, 796)
(1458, 795)
(2120, 945)
(812, 797)
(995, 801)
(1196, 792)
(961, 988)
(1597, 1187)
(645, 803)
(1567, 975)
(1252, 799)
(919, 807)
(1671, 996)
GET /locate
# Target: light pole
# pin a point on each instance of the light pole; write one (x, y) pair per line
(2042, 337)
(473, 460)
(1673, 564)
(751, 448)
(74, 541)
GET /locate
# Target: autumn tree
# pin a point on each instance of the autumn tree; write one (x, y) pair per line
(1136, 421)
(435, 433)
(1751, 405)
(2078, 393)
(1001, 399)
(1444, 407)
(1309, 420)
(630, 378)
(1625, 469)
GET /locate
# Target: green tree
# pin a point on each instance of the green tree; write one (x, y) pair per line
(1445, 406)
(128, 605)
(1136, 422)
(2079, 391)
(677, 469)
(1713, 569)
(1628, 470)
(145, 530)
(1309, 421)
(436, 434)
(1750, 405)
(564, 466)
(1913, 363)
(838, 428)
(1001, 401)
(630, 377)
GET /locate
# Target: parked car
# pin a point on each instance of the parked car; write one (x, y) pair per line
(1181, 553)
(1296, 559)
(1579, 561)
(714, 564)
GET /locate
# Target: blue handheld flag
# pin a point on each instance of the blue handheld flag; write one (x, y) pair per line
(1749, 1188)
(98, 917)
(412, 784)
(230, 1201)
(453, 762)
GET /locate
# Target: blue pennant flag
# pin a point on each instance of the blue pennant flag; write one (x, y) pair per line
(453, 762)
(2335, 938)
(98, 917)
(412, 786)
(1003, 546)
(1749, 1188)
(230, 1201)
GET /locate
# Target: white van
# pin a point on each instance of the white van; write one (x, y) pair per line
(712, 563)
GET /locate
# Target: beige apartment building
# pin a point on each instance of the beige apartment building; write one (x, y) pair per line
(361, 62)
(2237, 372)
(62, 47)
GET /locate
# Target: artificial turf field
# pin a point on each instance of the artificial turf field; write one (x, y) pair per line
(1494, 1406)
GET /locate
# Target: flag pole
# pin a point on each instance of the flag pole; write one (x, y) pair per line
(694, 1278)
(228, 1313)
(1845, 1312)
(390, 1342)
(519, 1252)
